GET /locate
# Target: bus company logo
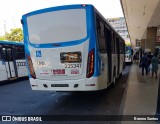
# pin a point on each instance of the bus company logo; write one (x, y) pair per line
(21, 118)
(6, 118)
(38, 53)
(41, 63)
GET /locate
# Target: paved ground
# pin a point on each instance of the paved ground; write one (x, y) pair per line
(18, 99)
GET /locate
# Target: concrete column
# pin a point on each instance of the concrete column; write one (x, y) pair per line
(151, 38)
(143, 44)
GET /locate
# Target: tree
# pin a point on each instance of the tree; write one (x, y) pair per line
(2, 38)
(15, 35)
(128, 43)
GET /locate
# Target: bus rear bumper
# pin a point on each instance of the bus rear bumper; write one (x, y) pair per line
(84, 84)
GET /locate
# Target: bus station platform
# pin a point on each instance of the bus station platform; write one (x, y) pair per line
(141, 96)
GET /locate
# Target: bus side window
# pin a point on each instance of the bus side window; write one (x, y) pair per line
(4, 54)
(117, 45)
(108, 38)
(113, 43)
(102, 45)
(19, 52)
(100, 35)
(98, 26)
(9, 54)
(122, 47)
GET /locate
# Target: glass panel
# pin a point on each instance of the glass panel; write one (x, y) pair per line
(19, 52)
(57, 26)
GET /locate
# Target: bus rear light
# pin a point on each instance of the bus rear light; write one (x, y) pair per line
(30, 66)
(90, 64)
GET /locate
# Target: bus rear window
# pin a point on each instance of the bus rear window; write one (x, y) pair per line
(57, 26)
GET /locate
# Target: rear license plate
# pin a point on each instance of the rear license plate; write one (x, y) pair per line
(59, 85)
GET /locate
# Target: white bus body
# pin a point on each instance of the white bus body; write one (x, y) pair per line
(71, 48)
(12, 61)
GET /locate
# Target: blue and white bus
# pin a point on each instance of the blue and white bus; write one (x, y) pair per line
(72, 48)
(12, 61)
(128, 54)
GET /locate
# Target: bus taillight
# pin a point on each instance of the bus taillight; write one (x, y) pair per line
(30, 66)
(90, 64)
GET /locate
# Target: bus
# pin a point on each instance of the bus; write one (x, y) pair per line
(12, 61)
(128, 54)
(72, 48)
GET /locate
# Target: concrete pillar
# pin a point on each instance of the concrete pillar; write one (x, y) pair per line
(151, 38)
(143, 44)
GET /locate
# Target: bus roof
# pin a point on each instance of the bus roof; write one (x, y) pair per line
(11, 42)
(56, 8)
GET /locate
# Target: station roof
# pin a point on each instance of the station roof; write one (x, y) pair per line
(139, 15)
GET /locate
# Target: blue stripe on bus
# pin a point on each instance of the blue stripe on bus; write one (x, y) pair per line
(62, 44)
(93, 40)
(11, 43)
(76, 6)
(25, 29)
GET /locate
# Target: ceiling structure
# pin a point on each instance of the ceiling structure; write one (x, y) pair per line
(139, 15)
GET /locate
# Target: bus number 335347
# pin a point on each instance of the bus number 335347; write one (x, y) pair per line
(73, 65)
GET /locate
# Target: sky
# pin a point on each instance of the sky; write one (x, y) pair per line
(11, 11)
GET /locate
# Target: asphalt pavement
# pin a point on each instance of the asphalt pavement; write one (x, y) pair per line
(18, 99)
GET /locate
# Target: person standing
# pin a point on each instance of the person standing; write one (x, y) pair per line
(155, 61)
(149, 60)
(144, 63)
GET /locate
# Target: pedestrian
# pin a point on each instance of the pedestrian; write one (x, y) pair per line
(144, 63)
(149, 61)
(155, 61)
(137, 57)
(134, 58)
